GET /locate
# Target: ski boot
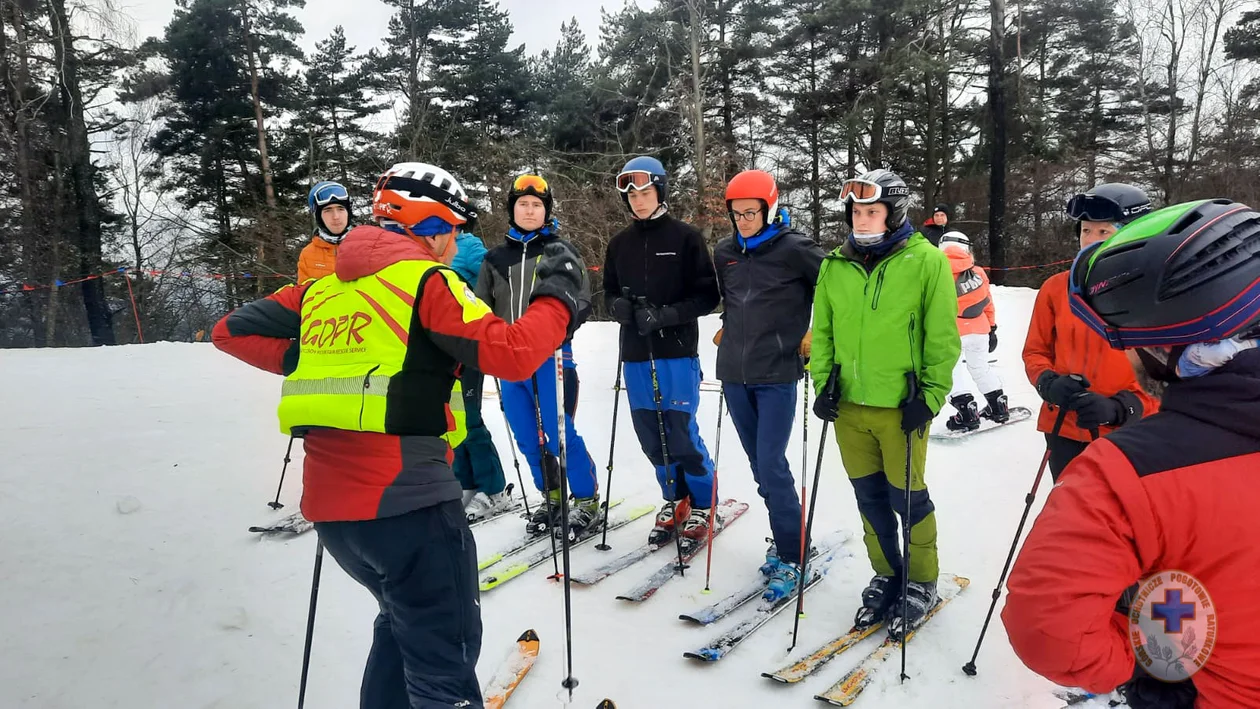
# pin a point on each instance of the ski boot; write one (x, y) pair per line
(695, 529)
(482, 505)
(966, 419)
(783, 581)
(920, 598)
(878, 595)
(585, 515)
(997, 411)
(664, 529)
(545, 517)
(772, 559)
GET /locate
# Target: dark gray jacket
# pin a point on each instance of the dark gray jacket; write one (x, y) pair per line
(768, 296)
(507, 277)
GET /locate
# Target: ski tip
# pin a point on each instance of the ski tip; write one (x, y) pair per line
(606, 704)
(529, 636)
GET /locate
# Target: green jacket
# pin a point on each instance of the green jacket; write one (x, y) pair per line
(877, 326)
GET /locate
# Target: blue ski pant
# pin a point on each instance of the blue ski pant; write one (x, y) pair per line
(421, 567)
(477, 465)
(763, 416)
(519, 403)
(690, 468)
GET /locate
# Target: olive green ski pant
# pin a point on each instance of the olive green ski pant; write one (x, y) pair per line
(873, 450)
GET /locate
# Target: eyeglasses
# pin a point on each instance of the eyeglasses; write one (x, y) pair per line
(748, 216)
(331, 193)
(531, 182)
(636, 180)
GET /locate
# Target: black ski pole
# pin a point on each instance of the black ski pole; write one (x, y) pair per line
(516, 463)
(310, 622)
(912, 387)
(570, 682)
(804, 475)
(829, 390)
(276, 504)
(970, 667)
(612, 443)
(672, 481)
(717, 454)
(549, 464)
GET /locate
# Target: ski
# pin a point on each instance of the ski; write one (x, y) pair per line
(292, 525)
(728, 641)
(811, 663)
(1076, 697)
(634, 556)
(527, 541)
(717, 611)
(846, 691)
(511, 671)
(606, 704)
(1018, 413)
(493, 579)
(645, 590)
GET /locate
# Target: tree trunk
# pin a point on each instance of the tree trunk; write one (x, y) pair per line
(697, 117)
(86, 204)
(341, 150)
(879, 121)
(728, 100)
(997, 111)
(930, 187)
(1170, 144)
(1205, 72)
(815, 149)
(260, 124)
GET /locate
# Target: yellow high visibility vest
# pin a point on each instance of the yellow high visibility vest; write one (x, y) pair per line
(363, 367)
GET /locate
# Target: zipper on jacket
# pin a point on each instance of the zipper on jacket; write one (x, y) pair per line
(520, 300)
(367, 384)
(914, 366)
(879, 284)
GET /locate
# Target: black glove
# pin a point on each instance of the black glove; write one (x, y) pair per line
(1095, 410)
(1059, 389)
(1145, 692)
(623, 311)
(559, 275)
(650, 318)
(915, 414)
(827, 405)
(993, 338)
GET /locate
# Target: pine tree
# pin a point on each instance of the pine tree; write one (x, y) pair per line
(562, 85)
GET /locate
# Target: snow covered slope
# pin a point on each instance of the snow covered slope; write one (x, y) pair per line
(131, 474)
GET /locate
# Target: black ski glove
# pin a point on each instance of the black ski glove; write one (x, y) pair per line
(1143, 691)
(1059, 389)
(623, 311)
(650, 318)
(915, 414)
(993, 338)
(559, 275)
(1095, 410)
(827, 404)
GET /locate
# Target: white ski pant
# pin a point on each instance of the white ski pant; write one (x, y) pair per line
(975, 359)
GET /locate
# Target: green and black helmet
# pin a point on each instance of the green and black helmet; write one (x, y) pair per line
(1184, 274)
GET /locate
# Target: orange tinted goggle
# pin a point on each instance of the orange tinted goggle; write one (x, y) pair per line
(528, 182)
(860, 191)
(627, 181)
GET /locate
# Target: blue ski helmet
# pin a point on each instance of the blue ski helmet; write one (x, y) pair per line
(322, 195)
(641, 172)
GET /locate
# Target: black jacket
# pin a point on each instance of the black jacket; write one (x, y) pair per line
(769, 294)
(668, 262)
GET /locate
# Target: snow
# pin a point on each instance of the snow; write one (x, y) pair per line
(132, 473)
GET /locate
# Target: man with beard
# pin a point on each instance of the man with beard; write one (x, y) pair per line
(1169, 496)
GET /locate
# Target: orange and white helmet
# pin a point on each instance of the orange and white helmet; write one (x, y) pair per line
(420, 200)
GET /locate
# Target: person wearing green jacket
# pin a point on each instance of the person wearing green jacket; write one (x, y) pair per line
(885, 308)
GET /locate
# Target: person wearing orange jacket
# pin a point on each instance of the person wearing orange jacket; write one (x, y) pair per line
(1165, 504)
(1071, 365)
(370, 355)
(329, 203)
(977, 327)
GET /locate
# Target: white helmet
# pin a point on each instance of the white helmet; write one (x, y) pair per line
(955, 237)
(411, 193)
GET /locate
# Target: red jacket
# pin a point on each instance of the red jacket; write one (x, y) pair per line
(347, 474)
(1058, 340)
(1174, 491)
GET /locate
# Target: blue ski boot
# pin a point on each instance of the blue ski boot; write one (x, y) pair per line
(783, 581)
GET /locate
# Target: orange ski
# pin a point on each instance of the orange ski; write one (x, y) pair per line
(512, 670)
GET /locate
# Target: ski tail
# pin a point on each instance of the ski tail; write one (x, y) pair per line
(512, 670)
(606, 704)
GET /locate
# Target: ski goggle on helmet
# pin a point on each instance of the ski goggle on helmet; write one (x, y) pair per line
(634, 180)
(326, 193)
(526, 184)
(1185, 274)
(1097, 208)
(868, 191)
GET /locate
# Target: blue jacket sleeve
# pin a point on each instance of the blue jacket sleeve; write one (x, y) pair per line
(467, 263)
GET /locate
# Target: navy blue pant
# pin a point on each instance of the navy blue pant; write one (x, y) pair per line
(763, 416)
(422, 569)
(679, 381)
(477, 465)
(518, 398)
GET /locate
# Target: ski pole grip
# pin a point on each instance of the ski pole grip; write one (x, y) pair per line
(1081, 378)
(832, 387)
(912, 387)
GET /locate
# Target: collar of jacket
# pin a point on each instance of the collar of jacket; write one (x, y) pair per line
(653, 223)
(524, 237)
(781, 224)
(870, 256)
(1228, 397)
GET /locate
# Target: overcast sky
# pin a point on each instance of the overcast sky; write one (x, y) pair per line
(535, 23)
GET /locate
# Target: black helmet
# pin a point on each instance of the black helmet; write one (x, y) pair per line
(530, 184)
(1109, 202)
(1184, 274)
(877, 186)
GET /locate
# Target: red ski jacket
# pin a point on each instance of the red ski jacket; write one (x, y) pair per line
(1174, 491)
(348, 475)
